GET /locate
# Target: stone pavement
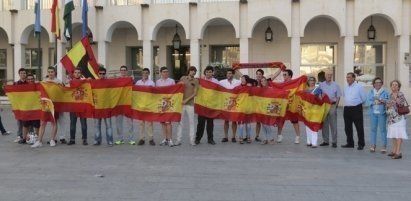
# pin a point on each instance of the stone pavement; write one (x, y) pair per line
(222, 172)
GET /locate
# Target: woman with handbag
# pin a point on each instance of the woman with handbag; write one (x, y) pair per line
(397, 108)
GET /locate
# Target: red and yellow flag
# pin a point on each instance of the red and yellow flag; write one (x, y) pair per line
(311, 109)
(111, 97)
(161, 104)
(76, 98)
(82, 56)
(293, 86)
(25, 101)
(247, 104)
(55, 20)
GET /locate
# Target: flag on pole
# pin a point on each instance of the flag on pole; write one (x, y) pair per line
(55, 22)
(37, 24)
(68, 8)
(84, 17)
(82, 56)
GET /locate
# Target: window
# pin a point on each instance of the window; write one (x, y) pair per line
(32, 59)
(369, 62)
(224, 56)
(3, 64)
(316, 58)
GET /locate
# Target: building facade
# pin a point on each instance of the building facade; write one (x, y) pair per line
(309, 36)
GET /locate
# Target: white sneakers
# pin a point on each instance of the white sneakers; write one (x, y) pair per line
(297, 140)
(37, 144)
(280, 138)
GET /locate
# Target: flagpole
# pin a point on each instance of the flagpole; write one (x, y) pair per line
(40, 54)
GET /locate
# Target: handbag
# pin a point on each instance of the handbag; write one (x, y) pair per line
(403, 109)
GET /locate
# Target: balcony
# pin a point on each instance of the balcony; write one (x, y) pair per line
(46, 4)
(136, 2)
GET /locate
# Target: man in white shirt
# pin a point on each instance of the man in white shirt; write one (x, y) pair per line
(354, 96)
(129, 121)
(146, 127)
(230, 83)
(201, 120)
(167, 128)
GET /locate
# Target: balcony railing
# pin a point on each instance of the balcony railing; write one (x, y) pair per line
(5, 5)
(126, 2)
(136, 2)
(46, 4)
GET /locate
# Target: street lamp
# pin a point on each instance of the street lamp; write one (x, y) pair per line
(176, 40)
(268, 33)
(371, 32)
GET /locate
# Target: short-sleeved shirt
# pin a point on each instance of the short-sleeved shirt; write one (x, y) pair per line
(55, 80)
(165, 82)
(332, 90)
(148, 82)
(230, 85)
(190, 84)
(354, 94)
(213, 80)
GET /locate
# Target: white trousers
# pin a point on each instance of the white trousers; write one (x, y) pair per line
(189, 110)
(312, 136)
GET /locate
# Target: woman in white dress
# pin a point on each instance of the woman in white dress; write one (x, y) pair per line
(396, 122)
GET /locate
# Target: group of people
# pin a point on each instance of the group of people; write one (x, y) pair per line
(383, 111)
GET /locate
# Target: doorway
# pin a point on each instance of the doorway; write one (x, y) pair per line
(178, 61)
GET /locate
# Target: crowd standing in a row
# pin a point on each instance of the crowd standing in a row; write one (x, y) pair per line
(387, 112)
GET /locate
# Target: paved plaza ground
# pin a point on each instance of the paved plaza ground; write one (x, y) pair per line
(248, 172)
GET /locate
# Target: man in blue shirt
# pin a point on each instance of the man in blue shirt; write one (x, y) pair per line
(354, 96)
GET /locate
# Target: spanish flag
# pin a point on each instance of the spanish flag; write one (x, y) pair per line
(311, 109)
(25, 101)
(161, 104)
(55, 22)
(82, 56)
(293, 86)
(111, 97)
(248, 104)
(76, 98)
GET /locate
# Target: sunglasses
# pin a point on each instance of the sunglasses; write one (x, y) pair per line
(285, 74)
(101, 73)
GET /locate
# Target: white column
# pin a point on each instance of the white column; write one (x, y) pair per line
(244, 50)
(348, 54)
(195, 55)
(295, 55)
(60, 53)
(403, 73)
(102, 49)
(18, 59)
(148, 56)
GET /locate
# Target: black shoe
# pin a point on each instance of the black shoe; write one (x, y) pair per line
(22, 141)
(63, 141)
(152, 143)
(360, 147)
(209, 142)
(224, 140)
(233, 139)
(347, 146)
(141, 142)
(257, 139)
(85, 142)
(71, 142)
(334, 145)
(198, 141)
(324, 144)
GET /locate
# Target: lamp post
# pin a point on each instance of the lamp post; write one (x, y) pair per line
(268, 33)
(176, 40)
(371, 32)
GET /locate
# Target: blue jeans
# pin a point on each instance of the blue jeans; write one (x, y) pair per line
(378, 121)
(267, 132)
(109, 130)
(247, 128)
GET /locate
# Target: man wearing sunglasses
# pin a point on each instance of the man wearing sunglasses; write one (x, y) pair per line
(107, 121)
(120, 118)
